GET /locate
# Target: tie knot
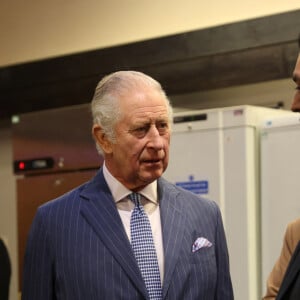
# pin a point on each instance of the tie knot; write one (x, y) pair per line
(135, 198)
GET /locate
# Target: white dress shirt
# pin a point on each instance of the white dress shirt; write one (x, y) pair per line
(151, 207)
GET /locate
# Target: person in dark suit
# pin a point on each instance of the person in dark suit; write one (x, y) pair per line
(80, 245)
(283, 281)
(5, 271)
(290, 286)
(290, 241)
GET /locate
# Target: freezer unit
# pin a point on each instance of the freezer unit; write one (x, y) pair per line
(280, 196)
(215, 154)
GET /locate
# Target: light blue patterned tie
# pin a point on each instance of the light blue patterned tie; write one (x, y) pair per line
(144, 249)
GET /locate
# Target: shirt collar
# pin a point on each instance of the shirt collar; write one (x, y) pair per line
(119, 191)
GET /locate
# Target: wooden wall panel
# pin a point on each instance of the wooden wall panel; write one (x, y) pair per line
(234, 54)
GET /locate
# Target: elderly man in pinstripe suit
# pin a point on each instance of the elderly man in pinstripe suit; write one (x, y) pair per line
(80, 245)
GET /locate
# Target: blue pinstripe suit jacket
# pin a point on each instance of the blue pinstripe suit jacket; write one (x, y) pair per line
(78, 249)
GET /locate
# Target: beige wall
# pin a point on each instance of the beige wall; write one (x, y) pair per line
(33, 29)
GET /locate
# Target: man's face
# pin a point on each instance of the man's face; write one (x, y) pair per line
(141, 152)
(296, 77)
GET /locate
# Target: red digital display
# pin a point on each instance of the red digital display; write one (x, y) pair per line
(33, 164)
(21, 165)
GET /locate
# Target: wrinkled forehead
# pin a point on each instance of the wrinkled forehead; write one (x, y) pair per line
(140, 101)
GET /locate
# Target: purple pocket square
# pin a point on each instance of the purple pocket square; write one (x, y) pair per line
(201, 242)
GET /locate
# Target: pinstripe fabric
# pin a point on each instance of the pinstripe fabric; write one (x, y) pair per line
(205, 273)
(78, 249)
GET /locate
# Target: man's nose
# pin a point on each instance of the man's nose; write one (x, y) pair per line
(155, 139)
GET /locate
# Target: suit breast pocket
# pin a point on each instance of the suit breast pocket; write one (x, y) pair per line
(204, 255)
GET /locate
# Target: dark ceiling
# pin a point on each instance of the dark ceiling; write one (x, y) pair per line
(245, 52)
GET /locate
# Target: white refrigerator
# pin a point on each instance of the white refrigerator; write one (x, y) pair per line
(280, 193)
(215, 153)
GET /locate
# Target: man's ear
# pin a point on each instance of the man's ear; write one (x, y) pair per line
(101, 139)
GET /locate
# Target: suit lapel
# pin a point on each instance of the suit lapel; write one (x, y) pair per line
(100, 212)
(172, 220)
(291, 273)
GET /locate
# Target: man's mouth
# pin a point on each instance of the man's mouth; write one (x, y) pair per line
(152, 161)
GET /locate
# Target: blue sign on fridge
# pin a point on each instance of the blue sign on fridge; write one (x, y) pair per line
(197, 187)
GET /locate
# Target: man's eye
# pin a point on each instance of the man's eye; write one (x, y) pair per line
(162, 127)
(140, 131)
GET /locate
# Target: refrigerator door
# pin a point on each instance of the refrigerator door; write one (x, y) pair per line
(240, 209)
(195, 154)
(280, 148)
(36, 190)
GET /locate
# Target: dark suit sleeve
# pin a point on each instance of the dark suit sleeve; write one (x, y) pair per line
(224, 289)
(290, 287)
(37, 273)
(5, 271)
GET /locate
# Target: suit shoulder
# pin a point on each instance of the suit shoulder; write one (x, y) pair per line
(197, 200)
(190, 198)
(295, 224)
(292, 234)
